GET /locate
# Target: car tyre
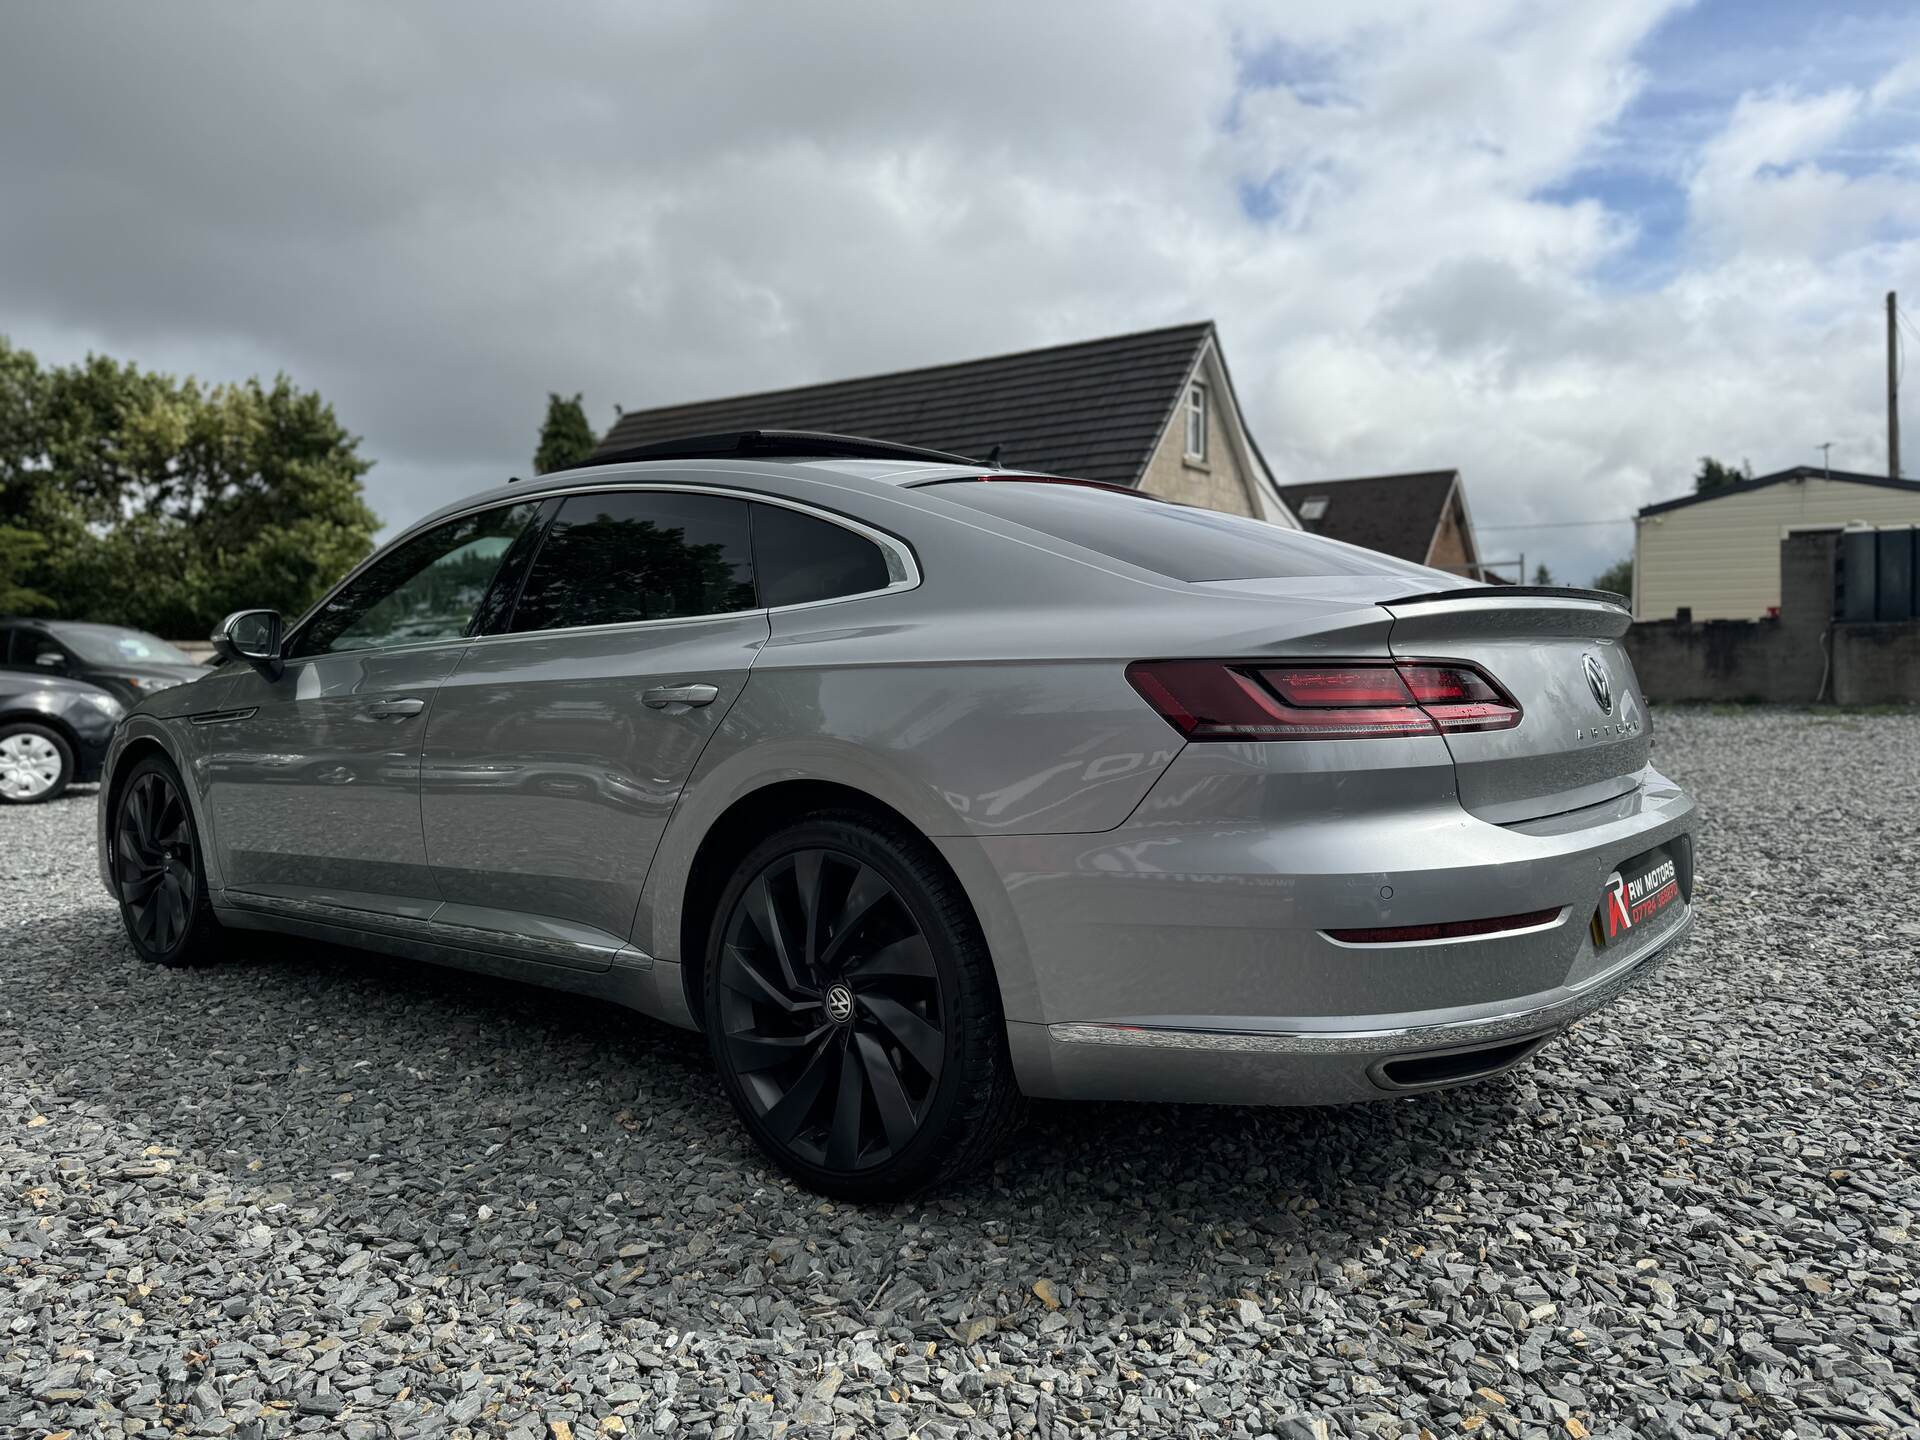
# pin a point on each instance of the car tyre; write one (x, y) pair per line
(36, 763)
(159, 869)
(852, 1011)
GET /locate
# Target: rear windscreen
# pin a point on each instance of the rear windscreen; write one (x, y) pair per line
(1178, 541)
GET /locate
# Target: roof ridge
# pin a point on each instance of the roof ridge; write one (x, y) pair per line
(1203, 326)
(1779, 477)
(1446, 471)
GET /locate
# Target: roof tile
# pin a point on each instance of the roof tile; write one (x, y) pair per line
(1093, 409)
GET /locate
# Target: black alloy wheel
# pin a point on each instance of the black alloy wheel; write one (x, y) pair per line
(830, 1010)
(852, 1012)
(157, 869)
(154, 861)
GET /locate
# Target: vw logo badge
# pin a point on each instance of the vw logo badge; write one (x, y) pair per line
(1597, 682)
(839, 1004)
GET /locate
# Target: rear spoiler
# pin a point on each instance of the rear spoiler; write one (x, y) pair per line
(1497, 592)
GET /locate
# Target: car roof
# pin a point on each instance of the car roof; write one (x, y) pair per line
(876, 476)
(57, 622)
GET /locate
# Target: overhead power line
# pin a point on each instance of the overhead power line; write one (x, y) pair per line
(1560, 524)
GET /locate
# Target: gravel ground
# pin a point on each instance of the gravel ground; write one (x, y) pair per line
(316, 1191)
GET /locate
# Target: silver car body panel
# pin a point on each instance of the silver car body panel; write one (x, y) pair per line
(317, 792)
(548, 779)
(1156, 910)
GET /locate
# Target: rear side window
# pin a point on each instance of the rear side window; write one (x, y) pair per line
(1178, 541)
(629, 555)
(798, 558)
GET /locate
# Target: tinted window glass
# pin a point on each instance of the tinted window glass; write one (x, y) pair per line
(797, 558)
(424, 589)
(1178, 541)
(638, 555)
(492, 615)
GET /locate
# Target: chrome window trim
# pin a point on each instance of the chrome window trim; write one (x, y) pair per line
(899, 550)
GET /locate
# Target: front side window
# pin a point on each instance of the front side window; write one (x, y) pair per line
(426, 588)
(625, 555)
(1196, 422)
(798, 558)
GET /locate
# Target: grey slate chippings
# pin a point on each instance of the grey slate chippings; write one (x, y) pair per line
(316, 1192)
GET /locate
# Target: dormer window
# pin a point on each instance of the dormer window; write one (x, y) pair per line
(1314, 507)
(1196, 422)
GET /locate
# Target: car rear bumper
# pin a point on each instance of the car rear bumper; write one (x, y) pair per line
(1187, 955)
(1336, 1062)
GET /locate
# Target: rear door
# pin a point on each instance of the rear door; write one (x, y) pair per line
(1583, 735)
(558, 748)
(314, 776)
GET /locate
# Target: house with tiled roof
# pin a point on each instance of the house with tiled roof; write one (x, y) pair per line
(1154, 410)
(1420, 517)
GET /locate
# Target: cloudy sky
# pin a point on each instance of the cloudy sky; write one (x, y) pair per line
(1567, 248)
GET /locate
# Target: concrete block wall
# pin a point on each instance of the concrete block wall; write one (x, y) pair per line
(1877, 663)
(1783, 659)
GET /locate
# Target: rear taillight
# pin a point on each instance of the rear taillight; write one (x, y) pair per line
(1249, 700)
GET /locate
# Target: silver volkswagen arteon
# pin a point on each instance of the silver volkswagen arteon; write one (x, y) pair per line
(921, 787)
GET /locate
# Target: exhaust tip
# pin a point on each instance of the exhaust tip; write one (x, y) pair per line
(1428, 1070)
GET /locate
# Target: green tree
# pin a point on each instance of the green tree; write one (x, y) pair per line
(163, 503)
(1543, 576)
(1713, 475)
(565, 437)
(1617, 577)
(19, 549)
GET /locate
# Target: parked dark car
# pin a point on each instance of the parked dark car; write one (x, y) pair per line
(53, 733)
(129, 663)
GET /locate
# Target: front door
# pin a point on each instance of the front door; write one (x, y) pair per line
(313, 776)
(557, 750)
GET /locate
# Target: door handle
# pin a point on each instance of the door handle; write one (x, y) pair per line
(661, 696)
(395, 709)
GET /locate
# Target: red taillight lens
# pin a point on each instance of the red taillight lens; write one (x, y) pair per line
(1227, 700)
(1460, 697)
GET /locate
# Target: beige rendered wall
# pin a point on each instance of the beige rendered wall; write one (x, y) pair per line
(1219, 483)
(1449, 548)
(1722, 557)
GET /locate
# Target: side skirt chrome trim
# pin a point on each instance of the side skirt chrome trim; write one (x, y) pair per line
(575, 955)
(1454, 1034)
(630, 986)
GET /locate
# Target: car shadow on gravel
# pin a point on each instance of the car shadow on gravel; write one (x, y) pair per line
(318, 1076)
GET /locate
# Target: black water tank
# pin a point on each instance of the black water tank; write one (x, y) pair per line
(1893, 575)
(1859, 587)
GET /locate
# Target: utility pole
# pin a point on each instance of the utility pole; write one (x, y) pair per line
(1826, 459)
(1893, 392)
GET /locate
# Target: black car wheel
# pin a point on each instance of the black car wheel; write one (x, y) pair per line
(852, 1011)
(35, 764)
(158, 871)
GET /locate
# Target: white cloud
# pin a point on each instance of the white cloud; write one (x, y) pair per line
(436, 216)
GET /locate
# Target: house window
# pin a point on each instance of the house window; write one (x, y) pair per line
(1314, 507)
(1196, 422)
